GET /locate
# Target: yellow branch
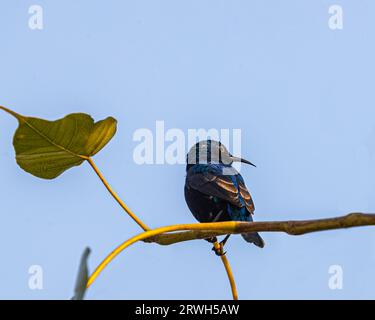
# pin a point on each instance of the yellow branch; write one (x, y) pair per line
(230, 276)
(231, 227)
(228, 270)
(148, 234)
(290, 227)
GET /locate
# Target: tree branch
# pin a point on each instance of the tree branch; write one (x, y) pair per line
(207, 230)
(295, 228)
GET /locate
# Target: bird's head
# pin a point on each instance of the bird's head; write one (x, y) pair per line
(213, 152)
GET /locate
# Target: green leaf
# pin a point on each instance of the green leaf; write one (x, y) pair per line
(47, 148)
(82, 276)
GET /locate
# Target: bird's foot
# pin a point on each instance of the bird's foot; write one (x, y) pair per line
(218, 248)
(211, 240)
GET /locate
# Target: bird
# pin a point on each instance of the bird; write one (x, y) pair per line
(215, 191)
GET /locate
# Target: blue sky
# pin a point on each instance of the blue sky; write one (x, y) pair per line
(301, 93)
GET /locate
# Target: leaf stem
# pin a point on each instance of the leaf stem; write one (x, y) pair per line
(116, 197)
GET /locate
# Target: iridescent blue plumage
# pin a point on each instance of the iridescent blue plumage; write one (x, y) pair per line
(214, 190)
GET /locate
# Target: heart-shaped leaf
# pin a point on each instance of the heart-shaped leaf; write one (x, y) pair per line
(47, 148)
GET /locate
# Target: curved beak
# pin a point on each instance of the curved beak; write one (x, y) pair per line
(237, 159)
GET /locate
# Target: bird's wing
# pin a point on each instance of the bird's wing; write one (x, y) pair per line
(245, 194)
(230, 188)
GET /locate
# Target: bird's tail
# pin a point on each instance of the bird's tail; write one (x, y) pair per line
(254, 237)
